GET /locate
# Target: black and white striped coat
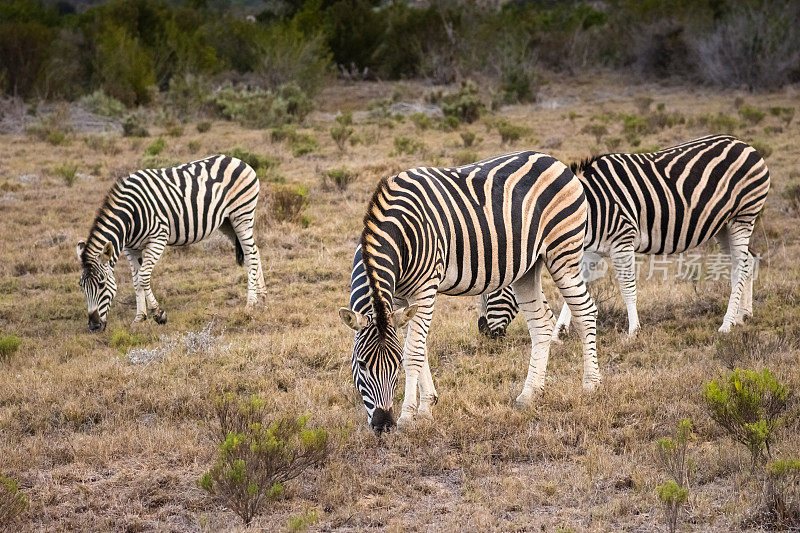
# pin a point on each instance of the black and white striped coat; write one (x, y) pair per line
(662, 203)
(466, 230)
(150, 209)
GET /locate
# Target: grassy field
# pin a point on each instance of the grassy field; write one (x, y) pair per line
(100, 443)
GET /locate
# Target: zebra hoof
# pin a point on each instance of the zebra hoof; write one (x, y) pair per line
(725, 328)
(405, 421)
(425, 413)
(160, 316)
(523, 402)
(139, 319)
(590, 387)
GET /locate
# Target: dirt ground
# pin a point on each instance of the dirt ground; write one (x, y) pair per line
(100, 443)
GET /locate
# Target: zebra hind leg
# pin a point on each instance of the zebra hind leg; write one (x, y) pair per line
(624, 261)
(741, 271)
(540, 320)
(243, 227)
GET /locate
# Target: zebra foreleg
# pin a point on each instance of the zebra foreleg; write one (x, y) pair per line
(135, 260)
(541, 322)
(415, 364)
(624, 261)
(564, 318)
(427, 391)
(150, 256)
(741, 266)
(243, 226)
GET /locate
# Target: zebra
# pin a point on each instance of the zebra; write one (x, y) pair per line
(465, 230)
(150, 209)
(665, 202)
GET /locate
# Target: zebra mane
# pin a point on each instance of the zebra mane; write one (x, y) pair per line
(583, 164)
(379, 306)
(85, 255)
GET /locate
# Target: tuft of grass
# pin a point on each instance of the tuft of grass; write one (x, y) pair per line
(302, 144)
(68, 172)
(303, 521)
(613, 143)
(175, 130)
(193, 146)
(257, 456)
(288, 203)
(155, 147)
(510, 133)
(751, 115)
(468, 138)
(102, 143)
(465, 157)
(260, 163)
(422, 121)
(407, 145)
(124, 341)
(596, 129)
(9, 344)
(204, 126)
(12, 502)
(341, 177)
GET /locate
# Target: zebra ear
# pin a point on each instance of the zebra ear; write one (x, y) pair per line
(108, 251)
(79, 249)
(402, 316)
(354, 320)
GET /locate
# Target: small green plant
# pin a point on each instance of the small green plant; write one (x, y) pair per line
(509, 132)
(422, 121)
(465, 105)
(643, 104)
(613, 143)
(100, 103)
(784, 113)
(260, 163)
(751, 115)
(175, 130)
(407, 145)
(748, 406)
(282, 133)
(468, 138)
(302, 144)
(53, 128)
(102, 143)
(204, 126)
(133, 126)
(8, 346)
(449, 123)
(792, 194)
(632, 124)
(301, 523)
(341, 177)
(596, 129)
(340, 135)
(465, 157)
(671, 454)
(257, 457)
(68, 172)
(155, 147)
(193, 146)
(763, 149)
(288, 203)
(12, 501)
(779, 509)
(124, 341)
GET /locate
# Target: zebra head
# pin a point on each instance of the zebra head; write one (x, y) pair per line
(98, 284)
(377, 356)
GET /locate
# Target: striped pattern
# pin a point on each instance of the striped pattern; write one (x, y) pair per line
(466, 230)
(668, 202)
(150, 209)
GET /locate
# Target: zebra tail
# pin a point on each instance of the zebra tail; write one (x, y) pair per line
(239, 252)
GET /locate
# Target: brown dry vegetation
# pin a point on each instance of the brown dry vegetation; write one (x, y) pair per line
(99, 443)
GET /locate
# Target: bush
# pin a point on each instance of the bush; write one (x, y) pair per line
(633, 125)
(792, 195)
(8, 346)
(53, 127)
(193, 146)
(422, 121)
(643, 104)
(407, 145)
(101, 104)
(751, 114)
(341, 134)
(449, 123)
(175, 130)
(124, 341)
(748, 406)
(260, 108)
(341, 177)
(102, 143)
(465, 105)
(673, 496)
(510, 133)
(465, 157)
(671, 454)
(596, 129)
(133, 126)
(288, 203)
(260, 163)
(302, 144)
(257, 457)
(612, 143)
(468, 138)
(12, 501)
(204, 126)
(780, 500)
(784, 113)
(282, 133)
(763, 149)
(68, 172)
(155, 147)
(124, 67)
(719, 123)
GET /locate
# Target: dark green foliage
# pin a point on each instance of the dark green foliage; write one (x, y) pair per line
(465, 105)
(260, 163)
(763, 149)
(133, 126)
(124, 341)
(748, 406)
(341, 177)
(8, 346)
(12, 501)
(68, 172)
(509, 132)
(468, 138)
(156, 147)
(257, 456)
(204, 126)
(260, 108)
(302, 144)
(407, 145)
(288, 203)
(671, 454)
(750, 114)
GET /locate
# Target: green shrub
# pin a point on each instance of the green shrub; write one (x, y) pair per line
(282, 133)
(53, 127)
(763, 149)
(613, 143)
(204, 126)
(340, 134)
(301, 523)
(257, 457)
(468, 138)
(260, 163)
(155, 147)
(407, 145)
(751, 114)
(68, 172)
(133, 126)
(449, 123)
(673, 496)
(124, 341)
(748, 406)
(465, 105)
(260, 108)
(422, 121)
(597, 129)
(124, 67)
(631, 124)
(8, 346)
(719, 123)
(643, 104)
(465, 157)
(102, 143)
(509, 132)
(288, 203)
(193, 146)
(101, 104)
(784, 113)
(519, 85)
(341, 177)
(175, 130)
(12, 501)
(792, 195)
(671, 454)
(302, 144)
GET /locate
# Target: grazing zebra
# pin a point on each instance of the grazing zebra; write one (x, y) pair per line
(151, 209)
(463, 231)
(661, 203)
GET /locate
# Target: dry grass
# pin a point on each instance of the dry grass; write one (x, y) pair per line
(100, 443)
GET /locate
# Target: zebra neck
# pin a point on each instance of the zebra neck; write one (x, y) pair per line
(112, 225)
(373, 283)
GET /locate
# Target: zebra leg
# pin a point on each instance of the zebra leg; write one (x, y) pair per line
(741, 265)
(624, 261)
(151, 254)
(427, 392)
(540, 320)
(564, 318)
(135, 260)
(415, 365)
(243, 226)
(569, 281)
(746, 302)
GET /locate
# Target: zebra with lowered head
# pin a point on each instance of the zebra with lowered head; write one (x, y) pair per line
(466, 230)
(150, 209)
(665, 202)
